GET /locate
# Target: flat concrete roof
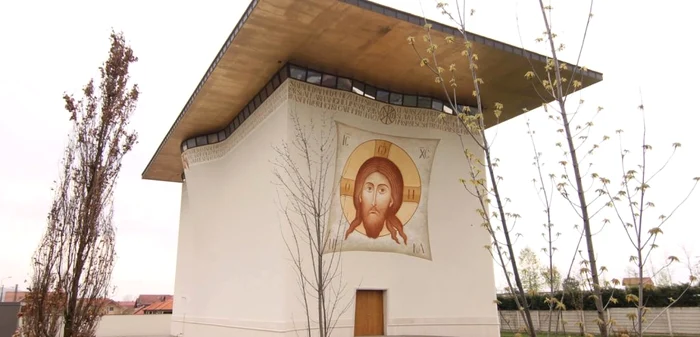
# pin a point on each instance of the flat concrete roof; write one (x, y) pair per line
(357, 39)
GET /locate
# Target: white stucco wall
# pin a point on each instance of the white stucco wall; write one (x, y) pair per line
(185, 255)
(134, 326)
(230, 264)
(234, 268)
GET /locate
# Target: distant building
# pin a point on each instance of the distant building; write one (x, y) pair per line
(157, 308)
(111, 307)
(127, 304)
(14, 296)
(634, 282)
(146, 300)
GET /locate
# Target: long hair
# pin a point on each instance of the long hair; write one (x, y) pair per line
(393, 174)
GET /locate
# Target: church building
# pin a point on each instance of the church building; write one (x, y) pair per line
(407, 239)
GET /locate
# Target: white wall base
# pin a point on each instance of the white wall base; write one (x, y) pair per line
(466, 326)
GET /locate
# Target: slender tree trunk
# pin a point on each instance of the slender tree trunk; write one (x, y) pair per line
(320, 284)
(640, 247)
(640, 291)
(302, 181)
(74, 293)
(580, 189)
(516, 272)
(85, 222)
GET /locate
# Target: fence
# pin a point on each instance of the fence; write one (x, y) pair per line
(674, 321)
(132, 326)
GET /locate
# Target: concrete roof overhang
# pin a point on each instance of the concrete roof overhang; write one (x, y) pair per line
(352, 38)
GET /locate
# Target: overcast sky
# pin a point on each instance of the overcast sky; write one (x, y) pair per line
(52, 47)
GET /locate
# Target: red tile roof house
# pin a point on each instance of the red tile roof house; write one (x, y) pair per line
(146, 300)
(109, 306)
(112, 307)
(158, 308)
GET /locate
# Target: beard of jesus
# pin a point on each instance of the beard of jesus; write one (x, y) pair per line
(373, 220)
(377, 197)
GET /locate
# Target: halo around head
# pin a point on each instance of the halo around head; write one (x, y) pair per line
(408, 169)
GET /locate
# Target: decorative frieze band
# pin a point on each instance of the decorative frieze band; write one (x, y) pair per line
(321, 79)
(217, 150)
(343, 101)
(329, 92)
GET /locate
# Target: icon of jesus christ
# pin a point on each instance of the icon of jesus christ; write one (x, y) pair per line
(377, 197)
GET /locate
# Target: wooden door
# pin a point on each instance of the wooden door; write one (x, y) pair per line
(369, 313)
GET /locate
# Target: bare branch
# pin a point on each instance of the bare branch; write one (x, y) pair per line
(301, 171)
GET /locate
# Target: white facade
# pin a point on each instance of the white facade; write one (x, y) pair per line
(234, 275)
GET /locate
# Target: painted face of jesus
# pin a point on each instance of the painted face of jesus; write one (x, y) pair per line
(376, 200)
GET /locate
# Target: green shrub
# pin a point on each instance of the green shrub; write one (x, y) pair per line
(657, 297)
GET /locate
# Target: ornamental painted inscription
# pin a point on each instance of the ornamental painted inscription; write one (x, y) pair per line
(381, 204)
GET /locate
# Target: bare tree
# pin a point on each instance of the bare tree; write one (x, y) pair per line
(72, 266)
(631, 272)
(482, 182)
(661, 276)
(556, 89)
(545, 187)
(632, 205)
(302, 169)
(559, 91)
(693, 266)
(634, 185)
(554, 82)
(473, 119)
